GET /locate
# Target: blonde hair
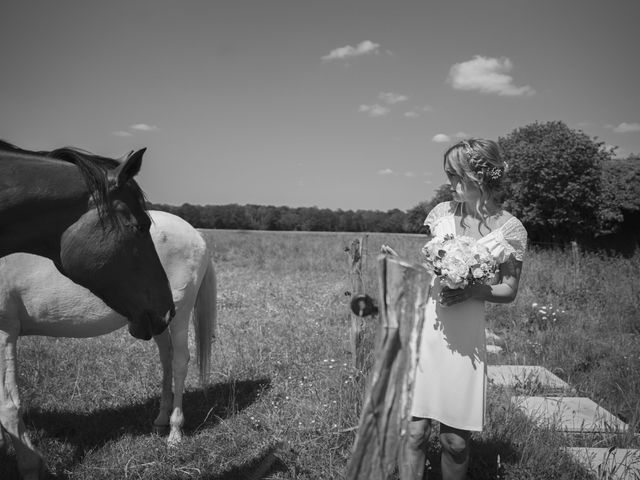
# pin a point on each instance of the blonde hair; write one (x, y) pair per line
(478, 162)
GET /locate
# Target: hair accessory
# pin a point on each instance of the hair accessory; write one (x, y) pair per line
(472, 156)
(487, 172)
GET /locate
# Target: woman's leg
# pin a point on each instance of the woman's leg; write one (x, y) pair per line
(455, 452)
(415, 449)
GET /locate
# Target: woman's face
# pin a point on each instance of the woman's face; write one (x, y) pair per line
(463, 191)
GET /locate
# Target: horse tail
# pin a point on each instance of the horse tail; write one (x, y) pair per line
(205, 320)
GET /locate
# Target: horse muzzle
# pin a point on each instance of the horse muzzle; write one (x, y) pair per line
(150, 324)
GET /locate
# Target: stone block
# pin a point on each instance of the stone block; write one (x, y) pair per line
(528, 377)
(569, 414)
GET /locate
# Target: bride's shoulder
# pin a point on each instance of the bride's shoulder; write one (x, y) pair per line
(511, 226)
(437, 213)
(444, 208)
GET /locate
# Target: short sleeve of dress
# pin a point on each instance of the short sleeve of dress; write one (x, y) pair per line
(436, 214)
(515, 236)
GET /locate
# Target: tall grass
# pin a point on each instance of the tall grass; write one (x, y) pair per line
(284, 400)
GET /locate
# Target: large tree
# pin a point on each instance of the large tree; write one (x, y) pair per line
(620, 195)
(553, 182)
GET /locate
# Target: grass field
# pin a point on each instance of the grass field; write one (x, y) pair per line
(283, 398)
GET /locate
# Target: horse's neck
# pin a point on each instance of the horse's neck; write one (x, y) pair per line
(39, 200)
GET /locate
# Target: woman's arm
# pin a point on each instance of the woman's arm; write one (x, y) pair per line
(503, 292)
(386, 249)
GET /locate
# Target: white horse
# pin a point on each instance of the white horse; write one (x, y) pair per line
(44, 302)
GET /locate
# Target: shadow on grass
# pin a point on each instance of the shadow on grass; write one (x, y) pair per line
(492, 459)
(256, 469)
(88, 431)
(483, 461)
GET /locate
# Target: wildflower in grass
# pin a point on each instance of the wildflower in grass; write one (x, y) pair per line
(542, 317)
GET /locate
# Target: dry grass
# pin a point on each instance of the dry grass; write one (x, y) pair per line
(283, 396)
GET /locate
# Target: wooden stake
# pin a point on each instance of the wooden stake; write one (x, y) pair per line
(382, 431)
(356, 267)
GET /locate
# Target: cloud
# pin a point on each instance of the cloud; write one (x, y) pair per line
(411, 114)
(441, 138)
(122, 133)
(461, 135)
(385, 171)
(409, 174)
(625, 127)
(143, 127)
(392, 98)
(374, 110)
(487, 75)
(428, 108)
(363, 48)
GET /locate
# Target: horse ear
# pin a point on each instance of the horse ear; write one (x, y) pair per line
(124, 157)
(130, 168)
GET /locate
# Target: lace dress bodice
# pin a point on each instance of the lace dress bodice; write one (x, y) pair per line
(508, 239)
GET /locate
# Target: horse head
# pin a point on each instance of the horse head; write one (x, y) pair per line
(109, 250)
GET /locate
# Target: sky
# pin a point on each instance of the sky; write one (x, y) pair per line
(344, 104)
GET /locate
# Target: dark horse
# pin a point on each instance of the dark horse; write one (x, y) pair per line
(87, 214)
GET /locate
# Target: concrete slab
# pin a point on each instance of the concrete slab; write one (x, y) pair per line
(610, 463)
(529, 377)
(569, 414)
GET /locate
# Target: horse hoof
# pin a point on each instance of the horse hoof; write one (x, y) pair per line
(161, 430)
(174, 440)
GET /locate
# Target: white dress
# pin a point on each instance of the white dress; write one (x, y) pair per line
(450, 378)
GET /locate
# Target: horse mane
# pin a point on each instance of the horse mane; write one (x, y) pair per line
(94, 170)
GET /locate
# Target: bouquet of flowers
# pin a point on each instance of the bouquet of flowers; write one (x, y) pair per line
(459, 261)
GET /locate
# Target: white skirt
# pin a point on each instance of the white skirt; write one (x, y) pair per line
(450, 377)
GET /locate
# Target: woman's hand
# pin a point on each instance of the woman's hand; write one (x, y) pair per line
(451, 296)
(387, 250)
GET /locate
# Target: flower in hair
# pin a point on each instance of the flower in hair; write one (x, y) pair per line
(494, 173)
(480, 166)
(472, 156)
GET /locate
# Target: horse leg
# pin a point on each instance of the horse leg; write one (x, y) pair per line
(180, 364)
(161, 423)
(3, 441)
(30, 462)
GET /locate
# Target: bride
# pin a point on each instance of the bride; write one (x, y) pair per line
(450, 377)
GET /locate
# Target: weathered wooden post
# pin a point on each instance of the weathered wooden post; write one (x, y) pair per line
(404, 288)
(356, 268)
(575, 255)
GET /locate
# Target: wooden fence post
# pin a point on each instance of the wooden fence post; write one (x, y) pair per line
(404, 288)
(357, 251)
(575, 255)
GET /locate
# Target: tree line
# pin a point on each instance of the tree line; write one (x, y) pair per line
(562, 184)
(312, 219)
